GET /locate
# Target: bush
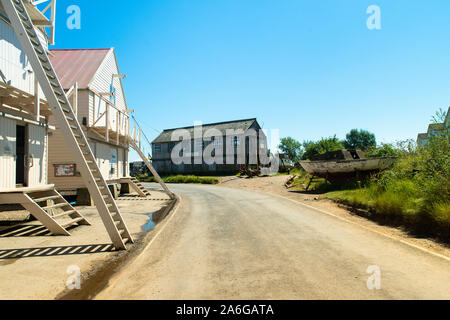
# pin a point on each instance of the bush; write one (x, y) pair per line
(324, 145)
(386, 150)
(181, 179)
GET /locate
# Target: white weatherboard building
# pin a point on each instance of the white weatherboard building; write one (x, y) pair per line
(24, 126)
(24, 113)
(90, 77)
(93, 79)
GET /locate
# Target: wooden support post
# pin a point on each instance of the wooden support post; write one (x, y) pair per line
(75, 100)
(140, 138)
(152, 170)
(117, 127)
(94, 97)
(127, 131)
(37, 100)
(107, 123)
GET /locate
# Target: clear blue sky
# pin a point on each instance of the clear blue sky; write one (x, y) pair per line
(311, 69)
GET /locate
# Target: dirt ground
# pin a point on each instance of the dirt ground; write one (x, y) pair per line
(276, 185)
(40, 266)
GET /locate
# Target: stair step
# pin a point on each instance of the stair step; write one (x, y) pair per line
(65, 213)
(18, 7)
(29, 28)
(35, 42)
(46, 198)
(30, 32)
(72, 222)
(24, 18)
(38, 50)
(56, 206)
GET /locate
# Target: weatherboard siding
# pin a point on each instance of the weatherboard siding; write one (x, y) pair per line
(14, 63)
(7, 153)
(59, 153)
(104, 78)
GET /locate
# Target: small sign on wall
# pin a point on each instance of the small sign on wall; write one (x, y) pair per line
(65, 170)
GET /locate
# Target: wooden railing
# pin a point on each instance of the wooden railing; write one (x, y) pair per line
(121, 125)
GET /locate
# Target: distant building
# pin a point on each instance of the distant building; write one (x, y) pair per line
(164, 145)
(434, 130)
(137, 168)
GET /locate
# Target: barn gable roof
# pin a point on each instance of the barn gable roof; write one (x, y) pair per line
(77, 65)
(244, 125)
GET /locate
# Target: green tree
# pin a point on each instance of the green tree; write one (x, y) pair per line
(360, 139)
(439, 116)
(385, 150)
(313, 148)
(292, 147)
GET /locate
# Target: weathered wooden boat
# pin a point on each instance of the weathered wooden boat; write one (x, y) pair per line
(345, 165)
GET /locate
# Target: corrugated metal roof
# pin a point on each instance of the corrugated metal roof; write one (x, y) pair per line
(77, 65)
(244, 125)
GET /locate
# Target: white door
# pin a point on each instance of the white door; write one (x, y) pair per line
(37, 156)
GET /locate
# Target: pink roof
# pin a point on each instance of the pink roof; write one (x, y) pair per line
(77, 65)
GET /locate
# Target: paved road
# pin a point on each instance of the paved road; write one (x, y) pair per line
(234, 244)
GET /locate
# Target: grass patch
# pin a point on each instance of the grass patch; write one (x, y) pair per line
(399, 208)
(181, 179)
(414, 193)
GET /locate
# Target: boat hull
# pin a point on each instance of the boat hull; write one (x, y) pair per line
(343, 169)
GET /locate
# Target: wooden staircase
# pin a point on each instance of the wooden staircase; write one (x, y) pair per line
(139, 188)
(53, 211)
(47, 206)
(68, 123)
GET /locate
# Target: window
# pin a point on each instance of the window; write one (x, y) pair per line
(112, 90)
(157, 147)
(199, 144)
(217, 142)
(171, 146)
(236, 142)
